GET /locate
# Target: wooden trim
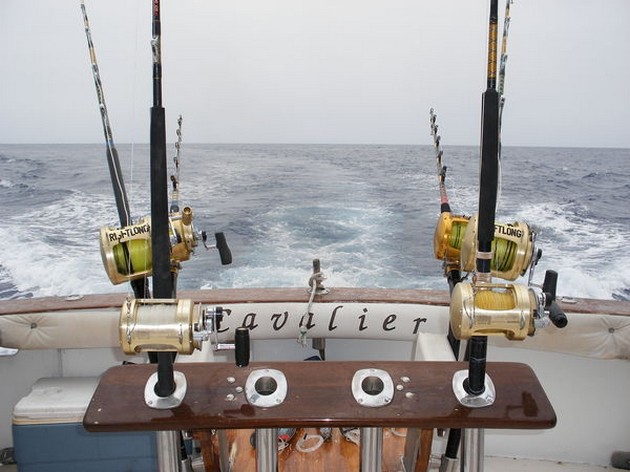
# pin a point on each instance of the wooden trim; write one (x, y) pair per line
(270, 295)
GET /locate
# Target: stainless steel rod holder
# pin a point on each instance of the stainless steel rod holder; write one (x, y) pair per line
(371, 450)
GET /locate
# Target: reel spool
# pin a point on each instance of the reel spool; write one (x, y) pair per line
(448, 237)
(160, 326)
(126, 252)
(492, 310)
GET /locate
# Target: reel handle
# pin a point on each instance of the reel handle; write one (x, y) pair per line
(556, 315)
(241, 346)
(224, 250)
(221, 244)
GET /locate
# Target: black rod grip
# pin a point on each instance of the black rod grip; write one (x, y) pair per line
(489, 176)
(160, 242)
(165, 385)
(475, 383)
(224, 250)
(241, 346)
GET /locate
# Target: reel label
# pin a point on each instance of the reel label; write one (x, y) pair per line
(128, 232)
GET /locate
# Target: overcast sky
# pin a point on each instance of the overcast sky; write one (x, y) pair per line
(316, 71)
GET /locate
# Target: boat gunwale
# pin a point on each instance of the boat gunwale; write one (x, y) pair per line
(287, 295)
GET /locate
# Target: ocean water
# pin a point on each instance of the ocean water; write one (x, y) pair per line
(367, 212)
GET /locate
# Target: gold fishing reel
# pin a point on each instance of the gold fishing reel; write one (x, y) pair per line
(511, 310)
(492, 310)
(126, 252)
(455, 242)
(512, 249)
(174, 325)
(160, 325)
(448, 237)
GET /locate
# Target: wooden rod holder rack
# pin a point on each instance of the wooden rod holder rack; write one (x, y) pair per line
(319, 394)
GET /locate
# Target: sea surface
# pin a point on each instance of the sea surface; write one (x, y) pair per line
(367, 212)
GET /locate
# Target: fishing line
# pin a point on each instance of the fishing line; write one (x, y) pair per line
(500, 88)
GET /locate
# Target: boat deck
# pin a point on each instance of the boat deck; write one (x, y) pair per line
(496, 464)
(346, 457)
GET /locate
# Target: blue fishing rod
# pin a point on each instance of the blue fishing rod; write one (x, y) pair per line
(139, 285)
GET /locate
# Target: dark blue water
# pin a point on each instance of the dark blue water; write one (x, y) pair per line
(368, 212)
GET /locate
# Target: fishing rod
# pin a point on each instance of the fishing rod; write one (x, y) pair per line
(450, 229)
(139, 285)
(163, 279)
(174, 208)
(502, 63)
(455, 237)
(163, 286)
(156, 246)
(484, 308)
(122, 202)
(441, 168)
(488, 182)
(504, 56)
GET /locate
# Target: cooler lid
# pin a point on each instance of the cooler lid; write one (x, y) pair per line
(55, 400)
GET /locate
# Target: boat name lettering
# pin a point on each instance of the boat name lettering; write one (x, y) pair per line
(278, 321)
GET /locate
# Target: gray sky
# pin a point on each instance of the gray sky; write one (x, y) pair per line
(316, 71)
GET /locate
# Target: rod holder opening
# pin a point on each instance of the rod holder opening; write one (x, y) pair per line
(265, 385)
(266, 388)
(372, 387)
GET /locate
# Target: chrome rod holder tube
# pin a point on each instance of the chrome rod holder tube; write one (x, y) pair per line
(472, 450)
(167, 451)
(267, 450)
(371, 459)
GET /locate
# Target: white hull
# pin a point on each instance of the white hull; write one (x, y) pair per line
(583, 368)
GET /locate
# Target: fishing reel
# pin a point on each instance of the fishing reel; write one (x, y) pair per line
(514, 311)
(455, 242)
(172, 325)
(448, 236)
(126, 252)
